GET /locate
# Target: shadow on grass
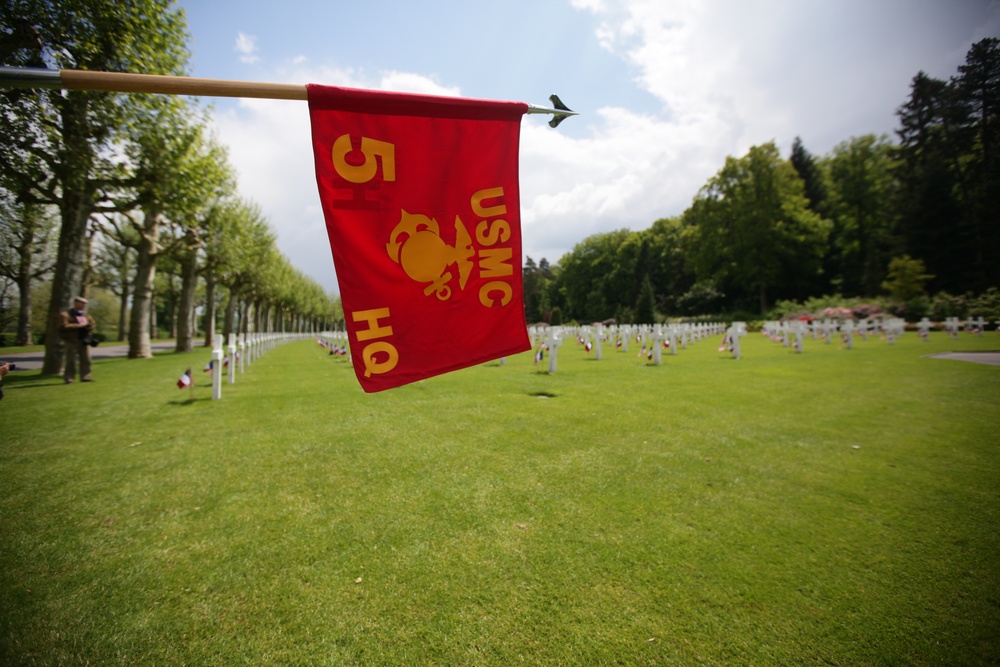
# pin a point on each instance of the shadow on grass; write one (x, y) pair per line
(15, 383)
(187, 401)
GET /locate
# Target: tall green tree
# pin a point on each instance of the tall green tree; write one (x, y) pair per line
(977, 89)
(906, 279)
(807, 167)
(597, 276)
(949, 172)
(861, 192)
(26, 232)
(168, 161)
(753, 229)
(72, 132)
(669, 270)
(212, 182)
(247, 240)
(926, 200)
(115, 263)
(645, 303)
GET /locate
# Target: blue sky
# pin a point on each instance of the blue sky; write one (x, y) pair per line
(666, 90)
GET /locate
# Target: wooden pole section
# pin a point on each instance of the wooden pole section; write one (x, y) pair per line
(74, 79)
(126, 82)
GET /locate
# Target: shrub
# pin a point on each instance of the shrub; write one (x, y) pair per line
(987, 305)
(945, 305)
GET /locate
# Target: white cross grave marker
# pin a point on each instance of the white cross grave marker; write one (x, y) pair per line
(241, 348)
(217, 367)
(952, 325)
(553, 342)
(799, 329)
(737, 331)
(923, 328)
(657, 342)
(847, 333)
(893, 327)
(232, 358)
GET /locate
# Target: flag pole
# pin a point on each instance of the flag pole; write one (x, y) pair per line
(123, 82)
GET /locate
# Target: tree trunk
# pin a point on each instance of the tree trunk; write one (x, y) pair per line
(142, 299)
(123, 312)
(24, 302)
(75, 209)
(154, 329)
(245, 323)
(258, 307)
(762, 294)
(123, 268)
(173, 318)
(185, 315)
(264, 318)
(67, 280)
(229, 326)
(209, 309)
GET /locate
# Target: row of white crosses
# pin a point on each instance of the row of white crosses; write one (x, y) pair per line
(242, 350)
(891, 328)
(976, 325)
(953, 325)
(651, 336)
(785, 332)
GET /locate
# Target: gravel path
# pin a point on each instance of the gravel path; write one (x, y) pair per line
(32, 361)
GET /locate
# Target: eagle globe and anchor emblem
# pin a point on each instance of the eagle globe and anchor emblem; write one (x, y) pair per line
(416, 245)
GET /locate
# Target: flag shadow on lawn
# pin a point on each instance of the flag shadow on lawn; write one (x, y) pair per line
(187, 401)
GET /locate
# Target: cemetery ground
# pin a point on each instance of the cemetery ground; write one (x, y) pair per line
(833, 507)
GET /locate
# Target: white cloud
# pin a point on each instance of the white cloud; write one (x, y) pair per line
(728, 75)
(246, 46)
(408, 82)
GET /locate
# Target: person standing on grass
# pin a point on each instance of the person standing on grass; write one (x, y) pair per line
(75, 328)
(4, 369)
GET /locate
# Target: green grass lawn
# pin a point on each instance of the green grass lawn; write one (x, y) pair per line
(827, 508)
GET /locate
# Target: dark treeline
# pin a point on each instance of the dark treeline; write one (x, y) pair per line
(767, 228)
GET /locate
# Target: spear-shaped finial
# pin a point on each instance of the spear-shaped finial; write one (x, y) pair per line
(560, 113)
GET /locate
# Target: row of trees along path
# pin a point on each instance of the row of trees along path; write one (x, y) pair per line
(134, 179)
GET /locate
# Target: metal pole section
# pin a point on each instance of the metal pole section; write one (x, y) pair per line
(29, 77)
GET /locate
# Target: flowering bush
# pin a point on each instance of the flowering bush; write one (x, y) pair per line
(867, 310)
(837, 313)
(945, 305)
(834, 307)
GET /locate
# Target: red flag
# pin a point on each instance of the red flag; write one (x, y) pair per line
(422, 207)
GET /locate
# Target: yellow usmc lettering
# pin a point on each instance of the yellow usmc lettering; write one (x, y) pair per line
(493, 262)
